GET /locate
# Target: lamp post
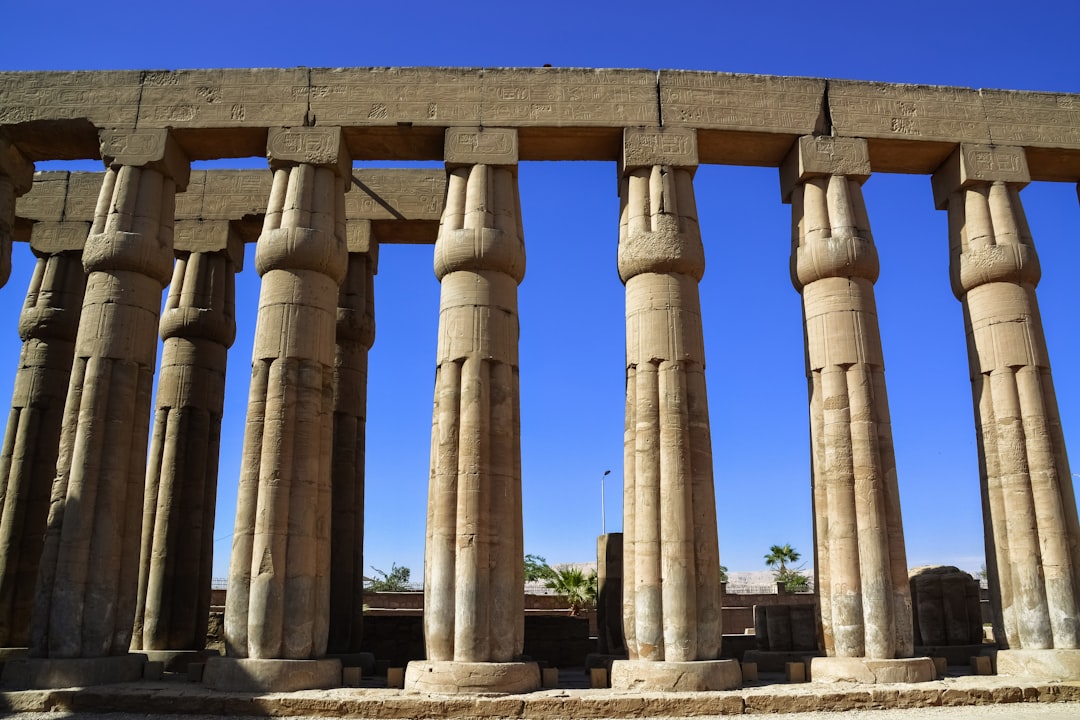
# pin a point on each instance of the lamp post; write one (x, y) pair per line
(603, 514)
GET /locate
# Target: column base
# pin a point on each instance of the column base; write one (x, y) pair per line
(1052, 664)
(178, 660)
(12, 653)
(450, 676)
(47, 673)
(869, 671)
(662, 676)
(271, 675)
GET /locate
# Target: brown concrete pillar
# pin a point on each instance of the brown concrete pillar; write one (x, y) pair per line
(1029, 506)
(197, 326)
(47, 325)
(278, 602)
(355, 336)
(16, 178)
(860, 562)
(671, 575)
(88, 576)
(473, 567)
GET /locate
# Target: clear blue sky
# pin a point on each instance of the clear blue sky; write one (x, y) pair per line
(571, 301)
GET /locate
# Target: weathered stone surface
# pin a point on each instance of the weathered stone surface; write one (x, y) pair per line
(481, 146)
(471, 677)
(945, 601)
(391, 96)
(913, 112)
(72, 672)
(574, 97)
(660, 676)
(645, 147)
(867, 671)
(970, 165)
(1059, 664)
(260, 675)
(821, 157)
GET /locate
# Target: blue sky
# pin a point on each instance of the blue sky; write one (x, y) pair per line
(571, 301)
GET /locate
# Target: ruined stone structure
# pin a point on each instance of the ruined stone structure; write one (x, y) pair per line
(318, 224)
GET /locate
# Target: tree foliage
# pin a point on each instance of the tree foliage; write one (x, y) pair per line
(779, 557)
(577, 588)
(397, 580)
(536, 568)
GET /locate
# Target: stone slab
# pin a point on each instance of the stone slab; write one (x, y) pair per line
(646, 147)
(41, 673)
(255, 675)
(869, 671)
(823, 156)
(1054, 664)
(660, 676)
(480, 146)
(178, 661)
(1032, 119)
(907, 112)
(971, 164)
(429, 676)
(377, 96)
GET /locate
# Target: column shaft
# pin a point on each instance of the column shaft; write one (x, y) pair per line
(198, 326)
(860, 560)
(1029, 506)
(88, 578)
(278, 600)
(672, 583)
(48, 324)
(474, 576)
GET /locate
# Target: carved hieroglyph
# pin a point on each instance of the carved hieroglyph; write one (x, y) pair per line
(278, 601)
(88, 575)
(198, 326)
(355, 335)
(1029, 508)
(49, 321)
(671, 571)
(473, 566)
(860, 561)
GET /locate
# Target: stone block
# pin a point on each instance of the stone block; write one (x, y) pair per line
(53, 237)
(394, 96)
(941, 666)
(396, 195)
(45, 199)
(598, 677)
(980, 665)
(907, 112)
(105, 98)
(155, 149)
(971, 164)
(749, 672)
(350, 677)
(257, 675)
(195, 672)
(471, 677)
(645, 147)
(225, 195)
(871, 671)
(237, 97)
(751, 103)
(153, 670)
(568, 97)
(1039, 119)
(1059, 664)
(43, 673)
(395, 677)
(549, 677)
(822, 157)
(209, 236)
(481, 146)
(795, 672)
(321, 146)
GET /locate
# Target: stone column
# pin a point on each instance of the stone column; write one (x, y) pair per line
(47, 325)
(16, 178)
(671, 571)
(197, 326)
(88, 576)
(355, 336)
(277, 607)
(474, 558)
(860, 562)
(1029, 507)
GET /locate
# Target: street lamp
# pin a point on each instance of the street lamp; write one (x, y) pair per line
(603, 514)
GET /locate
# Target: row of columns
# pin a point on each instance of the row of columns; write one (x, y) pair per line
(296, 567)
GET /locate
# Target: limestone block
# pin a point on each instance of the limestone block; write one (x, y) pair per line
(980, 665)
(574, 97)
(481, 146)
(471, 677)
(395, 677)
(209, 236)
(971, 164)
(660, 676)
(154, 149)
(598, 677)
(248, 675)
(1057, 664)
(396, 194)
(817, 156)
(82, 195)
(1040, 119)
(105, 98)
(549, 677)
(320, 147)
(645, 147)
(48, 238)
(350, 677)
(795, 672)
(749, 672)
(868, 671)
(45, 200)
(236, 97)
(911, 112)
(392, 96)
(224, 195)
(751, 103)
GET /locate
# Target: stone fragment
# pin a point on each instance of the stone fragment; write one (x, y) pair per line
(795, 672)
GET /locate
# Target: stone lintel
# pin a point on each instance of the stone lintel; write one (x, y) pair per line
(14, 165)
(48, 237)
(45, 200)
(156, 149)
(646, 147)
(818, 156)
(972, 164)
(480, 146)
(321, 146)
(209, 236)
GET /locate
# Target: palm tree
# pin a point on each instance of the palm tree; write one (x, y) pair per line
(781, 555)
(578, 588)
